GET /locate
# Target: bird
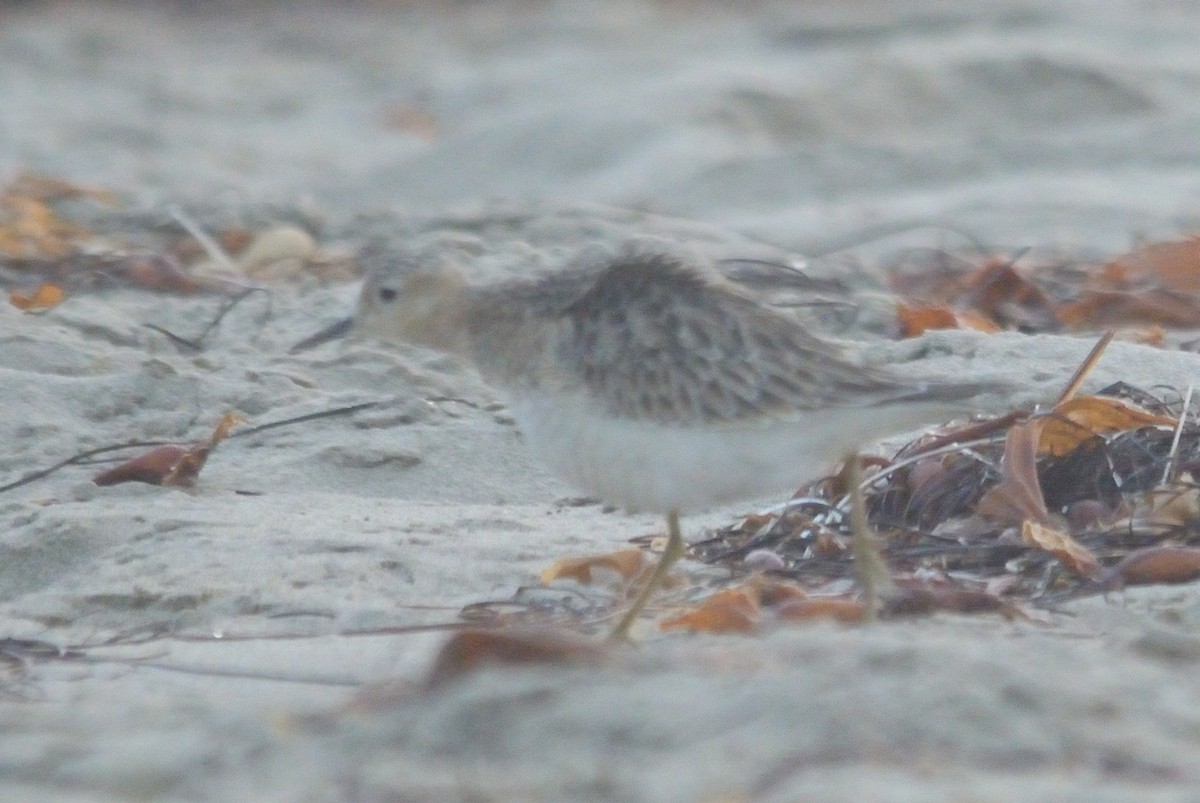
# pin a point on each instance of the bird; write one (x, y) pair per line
(642, 376)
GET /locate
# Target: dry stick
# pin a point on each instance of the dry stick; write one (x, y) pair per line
(300, 419)
(1187, 402)
(1086, 367)
(197, 343)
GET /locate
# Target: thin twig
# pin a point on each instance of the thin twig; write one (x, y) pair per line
(197, 343)
(300, 419)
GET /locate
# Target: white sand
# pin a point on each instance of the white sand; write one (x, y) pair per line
(1042, 124)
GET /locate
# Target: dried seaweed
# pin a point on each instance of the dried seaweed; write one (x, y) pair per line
(1106, 495)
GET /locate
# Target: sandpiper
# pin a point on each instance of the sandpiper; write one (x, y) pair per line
(645, 378)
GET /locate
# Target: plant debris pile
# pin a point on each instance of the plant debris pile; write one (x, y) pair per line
(949, 516)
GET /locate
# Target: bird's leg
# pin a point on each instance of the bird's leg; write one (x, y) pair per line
(870, 569)
(671, 553)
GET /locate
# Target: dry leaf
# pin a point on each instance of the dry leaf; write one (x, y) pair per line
(43, 298)
(160, 272)
(1018, 496)
(50, 188)
(172, 464)
(1073, 554)
(468, 650)
(733, 610)
(923, 601)
(30, 229)
(1160, 564)
(1122, 307)
(149, 467)
(626, 562)
(1001, 293)
(917, 319)
(1076, 420)
(847, 610)
(1174, 265)
(1176, 506)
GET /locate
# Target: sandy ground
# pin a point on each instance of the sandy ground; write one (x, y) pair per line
(537, 128)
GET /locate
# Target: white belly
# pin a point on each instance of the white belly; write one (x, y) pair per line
(653, 467)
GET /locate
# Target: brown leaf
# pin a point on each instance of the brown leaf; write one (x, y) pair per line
(1175, 265)
(1109, 307)
(1076, 420)
(172, 464)
(149, 467)
(921, 601)
(1018, 496)
(469, 650)
(1074, 555)
(50, 188)
(626, 562)
(733, 610)
(1001, 293)
(43, 298)
(160, 272)
(1160, 564)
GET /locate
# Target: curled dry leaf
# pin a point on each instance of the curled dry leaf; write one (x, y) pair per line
(1018, 496)
(172, 464)
(1075, 420)
(1160, 564)
(43, 298)
(733, 610)
(916, 319)
(626, 562)
(1073, 554)
(469, 650)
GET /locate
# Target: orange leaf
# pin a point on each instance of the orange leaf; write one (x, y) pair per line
(1176, 265)
(626, 562)
(1075, 420)
(840, 609)
(734, 610)
(468, 650)
(50, 188)
(1073, 554)
(43, 298)
(916, 319)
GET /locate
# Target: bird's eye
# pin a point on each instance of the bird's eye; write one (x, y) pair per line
(387, 294)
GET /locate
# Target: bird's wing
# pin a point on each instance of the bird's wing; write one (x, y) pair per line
(655, 339)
